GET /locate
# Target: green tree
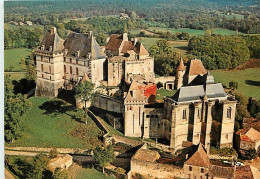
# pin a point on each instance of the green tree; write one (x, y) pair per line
(60, 174)
(15, 106)
(31, 68)
(53, 153)
(39, 167)
(101, 39)
(104, 155)
(233, 85)
(84, 90)
(23, 64)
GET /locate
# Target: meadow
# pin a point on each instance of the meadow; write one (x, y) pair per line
(54, 123)
(248, 80)
(12, 57)
(160, 93)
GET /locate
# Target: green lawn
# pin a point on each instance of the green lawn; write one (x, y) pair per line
(248, 80)
(16, 76)
(194, 32)
(91, 173)
(164, 92)
(13, 57)
(53, 127)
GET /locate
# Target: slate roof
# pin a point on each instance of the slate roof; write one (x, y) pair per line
(199, 158)
(202, 80)
(196, 68)
(193, 93)
(52, 40)
(85, 44)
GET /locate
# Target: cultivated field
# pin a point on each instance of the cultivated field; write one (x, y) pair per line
(53, 123)
(13, 57)
(248, 80)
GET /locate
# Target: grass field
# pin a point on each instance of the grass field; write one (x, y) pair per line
(194, 32)
(16, 75)
(13, 57)
(164, 92)
(91, 173)
(46, 125)
(248, 80)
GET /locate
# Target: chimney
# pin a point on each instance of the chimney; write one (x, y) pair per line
(90, 33)
(77, 53)
(125, 38)
(108, 39)
(50, 49)
(135, 40)
(53, 30)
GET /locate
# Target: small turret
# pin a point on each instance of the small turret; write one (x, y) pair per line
(180, 71)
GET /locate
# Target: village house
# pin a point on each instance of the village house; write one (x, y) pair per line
(248, 139)
(63, 162)
(29, 22)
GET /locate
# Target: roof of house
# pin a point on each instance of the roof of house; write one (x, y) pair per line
(59, 161)
(249, 135)
(193, 93)
(139, 96)
(146, 155)
(140, 49)
(196, 68)
(85, 44)
(127, 45)
(114, 42)
(202, 80)
(221, 171)
(52, 40)
(181, 66)
(246, 172)
(199, 158)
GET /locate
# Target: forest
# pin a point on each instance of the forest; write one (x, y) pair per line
(194, 14)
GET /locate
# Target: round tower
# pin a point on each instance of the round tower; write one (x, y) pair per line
(180, 71)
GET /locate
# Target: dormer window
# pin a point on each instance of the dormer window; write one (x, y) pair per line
(50, 49)
(65, 51)
(133, 94)
(77, 54)
(42, 47)
(229, 110)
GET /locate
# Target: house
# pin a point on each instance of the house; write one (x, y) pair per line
(20, 23)
(247, 139)
(63, 162)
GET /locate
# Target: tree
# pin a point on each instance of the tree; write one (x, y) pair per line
(104, 155)
(84, 90)
(15, 106)
(39, 167)
(101, 39)
(233, 85)
(53, 153)
(31, 68)
(23, 64)
(60, 174)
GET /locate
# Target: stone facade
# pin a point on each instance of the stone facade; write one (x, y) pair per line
(61, 64)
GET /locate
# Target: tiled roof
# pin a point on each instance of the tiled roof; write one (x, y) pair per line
(52, 40)
(181, 66)
(127, 45)
(146, 155)
(199, 158)
(250, 135)
(134, 93)
(196, 68)
(140, 49)
(85, 44)
(221, 171)
(247, 172)
(114, 42)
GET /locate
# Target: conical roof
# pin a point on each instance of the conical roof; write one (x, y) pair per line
(181, 66)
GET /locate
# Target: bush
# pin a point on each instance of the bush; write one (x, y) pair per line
(248, 154)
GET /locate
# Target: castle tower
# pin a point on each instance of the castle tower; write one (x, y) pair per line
(49, 58)
(180, 71)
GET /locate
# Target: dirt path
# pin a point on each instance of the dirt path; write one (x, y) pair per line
(8, 175)
(31, 154)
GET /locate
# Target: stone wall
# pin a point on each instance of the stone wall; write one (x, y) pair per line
(154, 170)
(164, 79)
(128, 141)
(108, 103)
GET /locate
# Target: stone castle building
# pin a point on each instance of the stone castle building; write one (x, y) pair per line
(125, 72)
(62, 62)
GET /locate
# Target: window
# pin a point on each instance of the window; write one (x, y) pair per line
(50, 69)
(49, 59)
(42, 76)
(147, 116)
(41, 58)
(229, 113)
(202, 170)
(77, 62)
(42, 67)
(198, 112)
(190, 168)
(64, 69)
(200, 177)
(226, 136)
(50, 77)
(70, 69)
(184, 114)
(64, 59)
(70, 60)
(77, 71)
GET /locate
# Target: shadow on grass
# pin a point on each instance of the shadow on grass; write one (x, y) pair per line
(57, 107)
(253, 83)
